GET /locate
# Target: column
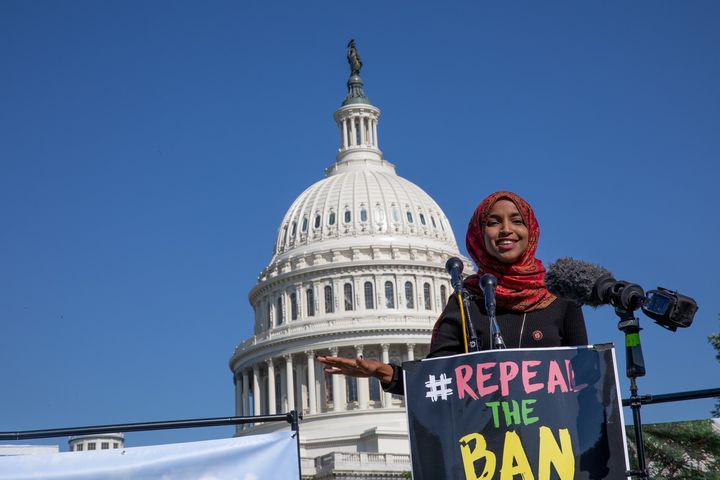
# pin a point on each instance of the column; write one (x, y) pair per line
(238, 397)
(337, 394)
(312, 397)
(256, 390)
(289, 382)
(271, 387)
(281, 318)
(283, 392)
(410, 352)
(353, 133)
(387, 397)
(322, 390)
(375, 139)
(363, 384)
(300, 378)
(245, 396)
(363, 140)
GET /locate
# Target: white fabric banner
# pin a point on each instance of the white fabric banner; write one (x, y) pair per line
(256, 457)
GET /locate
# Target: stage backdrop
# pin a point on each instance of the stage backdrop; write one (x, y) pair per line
(245, 458)
(542, 413)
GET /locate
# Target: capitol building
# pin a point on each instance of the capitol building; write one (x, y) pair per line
(357, 269)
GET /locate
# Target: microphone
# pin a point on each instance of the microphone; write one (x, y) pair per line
(488, 282)
(591, 284)
(454, 266)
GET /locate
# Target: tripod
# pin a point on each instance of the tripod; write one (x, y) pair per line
(634, 367)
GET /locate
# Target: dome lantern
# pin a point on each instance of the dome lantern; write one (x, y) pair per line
(357, 120)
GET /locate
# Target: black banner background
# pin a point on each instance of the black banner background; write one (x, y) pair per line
(570, 389)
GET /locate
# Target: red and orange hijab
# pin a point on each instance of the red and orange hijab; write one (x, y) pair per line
(521, 285)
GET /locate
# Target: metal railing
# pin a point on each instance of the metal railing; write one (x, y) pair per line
(675, 397)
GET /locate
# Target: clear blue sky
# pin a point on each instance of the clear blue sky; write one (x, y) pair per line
(149, 150)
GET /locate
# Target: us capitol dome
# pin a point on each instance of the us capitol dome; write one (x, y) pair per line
(357, 269)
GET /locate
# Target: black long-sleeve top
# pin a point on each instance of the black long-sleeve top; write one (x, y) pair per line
(560, 324)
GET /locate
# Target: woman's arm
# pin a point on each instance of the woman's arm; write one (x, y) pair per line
(357, 367)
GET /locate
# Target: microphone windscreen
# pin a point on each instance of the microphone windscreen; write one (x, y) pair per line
(454, 264)
(574, 280)
(488, 280)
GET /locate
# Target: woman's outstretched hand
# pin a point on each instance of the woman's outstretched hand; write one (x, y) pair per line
(357, 367)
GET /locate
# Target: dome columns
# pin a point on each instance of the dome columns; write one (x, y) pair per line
(387, 398)
(303, 385)
(311, 387)
(357, 127)
(289, 383)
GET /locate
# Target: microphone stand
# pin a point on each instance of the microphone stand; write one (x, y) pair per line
(473, 345)
(488, 283)
(469, 328)
(634, 367)
(498, 342)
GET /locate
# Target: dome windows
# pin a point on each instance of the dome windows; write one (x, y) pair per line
(283, 238)
(374, 389)
(310, 300)
(389, 295)
(409, 295)
(279, 311)
(351, 389)
(293, 306)
(369, 296)
(380, 217)
(427, 296)
(395, 214)
(329, 303)
(357, 204)
(443, 295)
(349, 304)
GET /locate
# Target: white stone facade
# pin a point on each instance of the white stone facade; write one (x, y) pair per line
(358, 269)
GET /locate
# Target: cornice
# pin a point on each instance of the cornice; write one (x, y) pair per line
(338, 334)
(361, 267)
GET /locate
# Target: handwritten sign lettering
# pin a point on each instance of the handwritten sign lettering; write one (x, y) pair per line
(516, 415)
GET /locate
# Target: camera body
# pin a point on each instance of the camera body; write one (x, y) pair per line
(669, 309)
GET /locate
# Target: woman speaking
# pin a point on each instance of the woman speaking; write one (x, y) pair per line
(502, 238)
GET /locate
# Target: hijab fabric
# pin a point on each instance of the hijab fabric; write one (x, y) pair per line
(521, 285)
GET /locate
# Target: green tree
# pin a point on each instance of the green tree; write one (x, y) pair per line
(715, 342)
(679, 450)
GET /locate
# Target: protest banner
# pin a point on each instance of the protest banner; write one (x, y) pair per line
(253, 457)
(529, 414)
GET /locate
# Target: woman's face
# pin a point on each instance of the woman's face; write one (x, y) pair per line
(505, 232)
